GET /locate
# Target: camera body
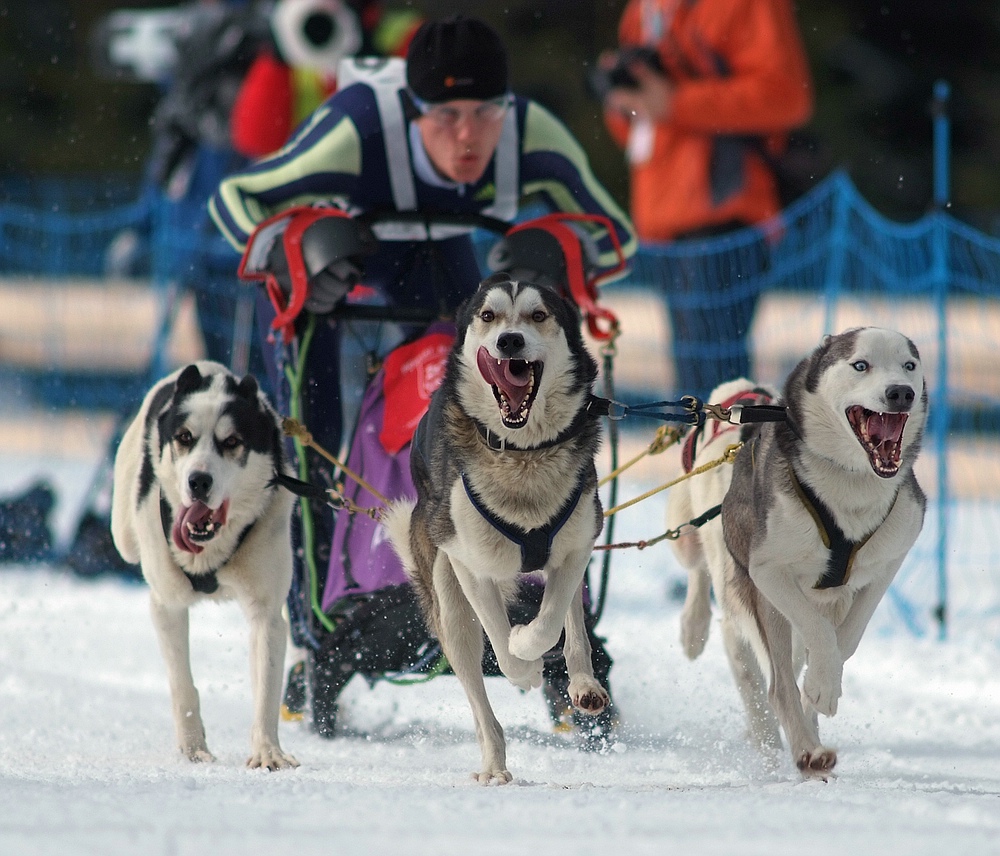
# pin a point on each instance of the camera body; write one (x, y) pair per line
(600, 81)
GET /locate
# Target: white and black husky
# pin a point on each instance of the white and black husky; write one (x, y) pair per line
(503, 465)
(818, 514)
(196, 505)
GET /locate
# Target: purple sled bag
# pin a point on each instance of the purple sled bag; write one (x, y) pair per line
(362, 560)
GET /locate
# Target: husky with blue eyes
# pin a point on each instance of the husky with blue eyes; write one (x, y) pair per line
(196, 504)
(818, 513)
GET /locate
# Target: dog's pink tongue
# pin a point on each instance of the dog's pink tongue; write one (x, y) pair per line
(886, 427)
(886, 432)
(514, 386)
(197, 515)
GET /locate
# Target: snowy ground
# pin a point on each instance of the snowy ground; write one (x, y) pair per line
(88, 765)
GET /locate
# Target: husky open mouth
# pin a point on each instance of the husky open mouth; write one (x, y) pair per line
(881, 436)
(515, 385)
(197, 524)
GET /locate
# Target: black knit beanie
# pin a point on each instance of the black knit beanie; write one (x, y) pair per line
(456, 58)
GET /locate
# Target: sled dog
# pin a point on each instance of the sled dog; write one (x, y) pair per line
(503, 464)
(818, 513)
(196, 505)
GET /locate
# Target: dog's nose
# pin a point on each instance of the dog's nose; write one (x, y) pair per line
(510, 344)
(899, 397)
(200, 484)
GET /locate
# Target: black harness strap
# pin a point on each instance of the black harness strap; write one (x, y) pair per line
(206, 582)
(842, 549)
(535, 544)
(706, 516)
(746, 406)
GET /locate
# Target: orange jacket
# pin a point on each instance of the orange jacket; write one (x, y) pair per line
(741, 81)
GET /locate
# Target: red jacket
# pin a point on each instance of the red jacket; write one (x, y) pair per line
(273, 98)
(742, 82)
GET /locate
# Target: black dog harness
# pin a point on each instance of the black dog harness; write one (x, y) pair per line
(206, 582)
(842, 549)
(535, 544)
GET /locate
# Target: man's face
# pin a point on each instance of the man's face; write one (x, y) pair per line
(461, 136)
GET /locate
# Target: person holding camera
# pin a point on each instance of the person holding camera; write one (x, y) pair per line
(702, 96)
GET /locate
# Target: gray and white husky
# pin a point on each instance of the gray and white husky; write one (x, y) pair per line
(503, 464)
(818, 513)
(196, 505)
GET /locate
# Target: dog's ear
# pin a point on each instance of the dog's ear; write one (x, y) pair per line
(188, 381)
(248, 388)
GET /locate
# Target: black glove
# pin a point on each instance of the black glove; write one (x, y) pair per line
(331, 285)
(535, 255)
(326, 288)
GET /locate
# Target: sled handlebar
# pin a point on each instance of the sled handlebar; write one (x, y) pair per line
(290, 227)
(409, 218)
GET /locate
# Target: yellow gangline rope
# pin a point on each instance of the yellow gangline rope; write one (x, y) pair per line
(727, 457)
(294, 428)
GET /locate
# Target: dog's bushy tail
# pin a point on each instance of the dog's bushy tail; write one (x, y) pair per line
(398, 523)
(396, 520)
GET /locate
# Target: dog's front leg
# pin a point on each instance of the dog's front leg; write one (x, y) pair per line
(822, 682)
(461, 636)
(585, 692)
(813, 759)
(490, 607)
(852, 628)
(530, 641)
(268, 632)
(172, 632)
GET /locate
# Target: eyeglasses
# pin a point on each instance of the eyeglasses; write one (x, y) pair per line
(448, 116)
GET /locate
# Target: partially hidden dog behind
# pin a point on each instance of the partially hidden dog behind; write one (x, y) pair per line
(196, 505)
(817, 514)
(503, 464)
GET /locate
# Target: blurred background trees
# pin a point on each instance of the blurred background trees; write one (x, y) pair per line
(874, 63)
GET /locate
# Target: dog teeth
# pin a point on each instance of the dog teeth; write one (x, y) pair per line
(521, 414)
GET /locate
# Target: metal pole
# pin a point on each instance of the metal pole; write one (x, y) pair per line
(833, 283)
(942, 145)
(940, 415)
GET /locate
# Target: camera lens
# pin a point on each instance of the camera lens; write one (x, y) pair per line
(319, 29)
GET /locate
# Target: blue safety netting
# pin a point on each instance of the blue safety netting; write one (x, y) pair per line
(830, 256)
(830, 248)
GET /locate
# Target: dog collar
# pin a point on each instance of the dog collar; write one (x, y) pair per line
(535, 544)
(842, 549)
(594, 408)
(206, 582)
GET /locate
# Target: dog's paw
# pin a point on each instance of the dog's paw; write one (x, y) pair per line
(822, 684)
(694, 631)
(817, 763)
(493, 777)
(198, 754)
(270, 757)
(526, 643)
(523, 674)
(588, 695)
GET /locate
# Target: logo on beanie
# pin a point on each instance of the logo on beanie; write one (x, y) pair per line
(456, 58)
